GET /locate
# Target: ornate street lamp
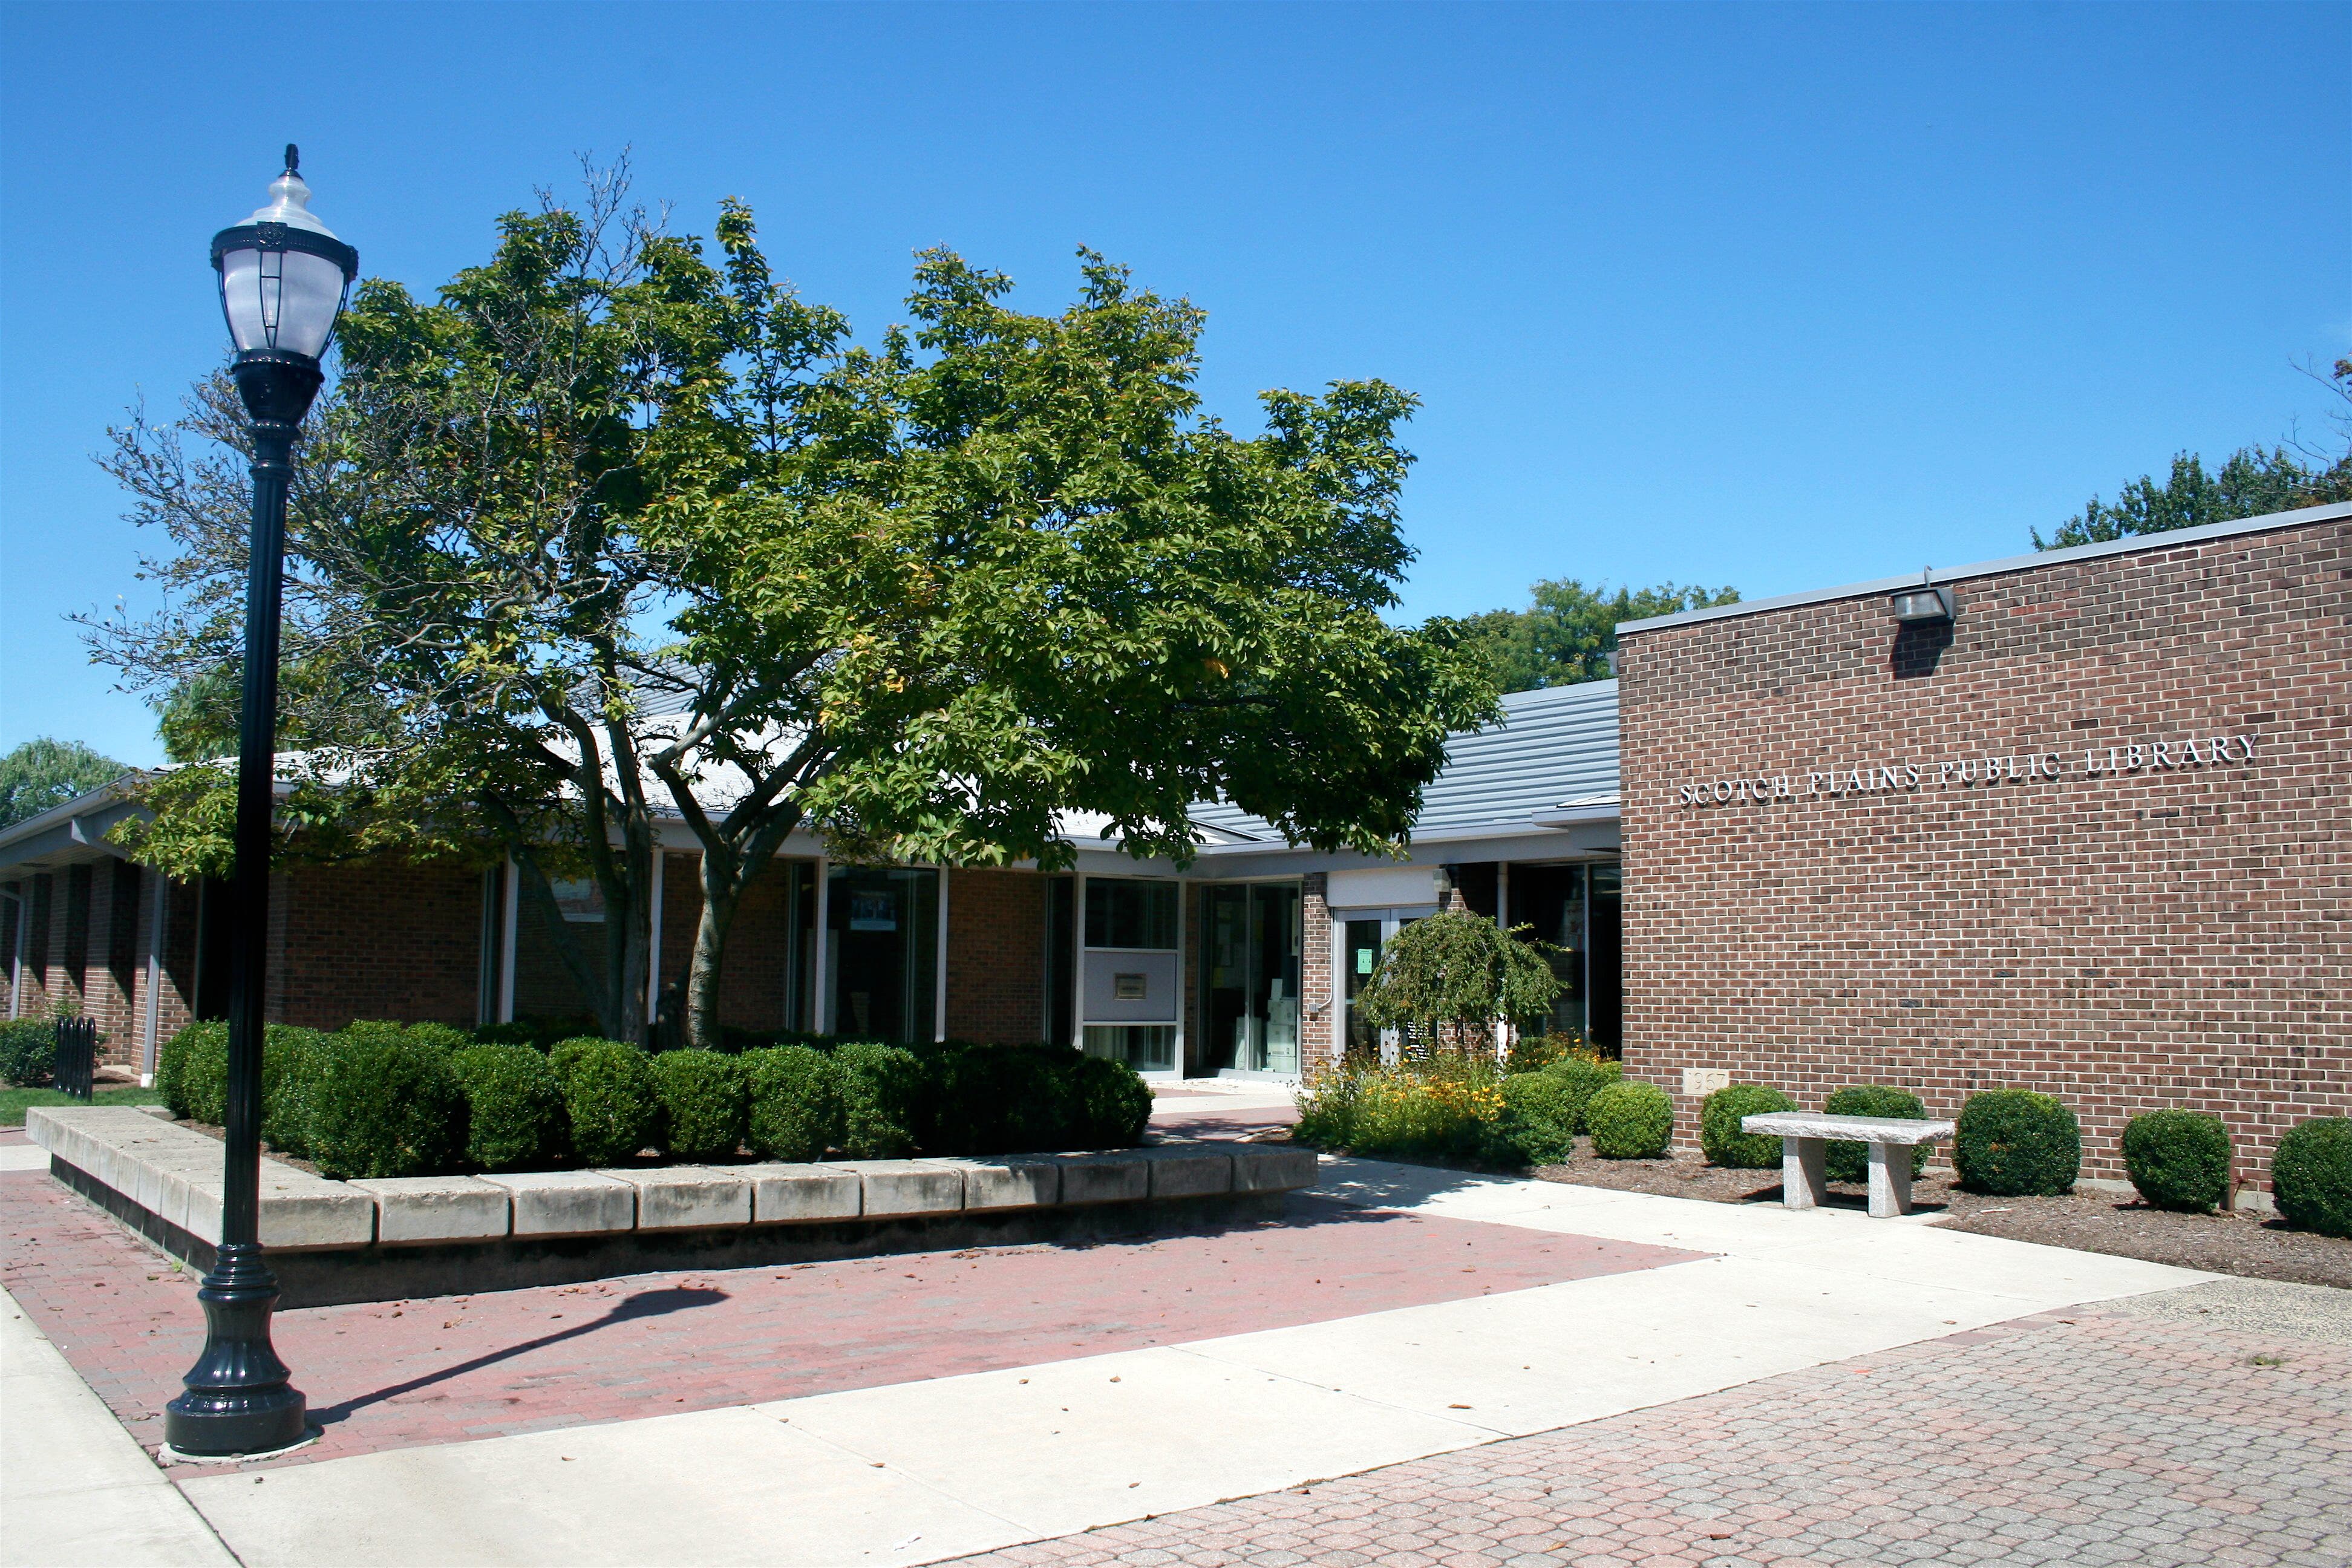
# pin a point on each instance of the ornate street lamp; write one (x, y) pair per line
(283, 279)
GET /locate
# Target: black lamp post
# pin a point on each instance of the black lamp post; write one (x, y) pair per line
(283, 276)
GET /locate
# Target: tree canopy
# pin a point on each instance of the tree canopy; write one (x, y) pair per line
(1446, 979)
(44, 772)
(619, 525)
(1567, 632)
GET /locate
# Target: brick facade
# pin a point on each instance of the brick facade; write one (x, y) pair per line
(996, 955)
(2166, 931)
(381, 939)
(1317, 991)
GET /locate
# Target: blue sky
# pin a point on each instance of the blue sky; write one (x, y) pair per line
(1777, 296)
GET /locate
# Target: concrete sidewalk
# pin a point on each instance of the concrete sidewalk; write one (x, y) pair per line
(918, 1471)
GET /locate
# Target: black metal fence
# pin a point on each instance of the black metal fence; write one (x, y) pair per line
(77, 1059)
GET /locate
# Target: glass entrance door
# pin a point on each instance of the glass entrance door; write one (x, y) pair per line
(1252, 934)
(1362, 935)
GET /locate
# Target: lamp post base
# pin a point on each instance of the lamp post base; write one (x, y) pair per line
(237, 1400)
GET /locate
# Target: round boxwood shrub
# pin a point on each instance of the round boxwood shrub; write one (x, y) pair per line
(1850, 1161)
(610, 1099)
(1580, 1079)
(795, 1112)
(2178, 1160)
(2014, 1143)
(995, 1099)
(2311, 1176)
(705, 1103)
(192, 1071)
(1719, 1132)
(29, 1053)
(1631, 1120)
(383, 1105)
(1109, 1104)
(1532, 1129)
(291, 1059)
(515, 1116)
(879, 1085)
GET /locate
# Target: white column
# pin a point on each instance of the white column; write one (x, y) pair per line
(16, 959)
(152, 1012)
(653, 938)
(1181, 1011)
(820, 993)
(1079, 963)
(940, 953)
(507, 919)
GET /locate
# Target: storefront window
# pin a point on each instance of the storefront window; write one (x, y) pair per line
(1575, 908)
(1251, 1005)
(1146, 1048)
(1130, 985)
(881, 955)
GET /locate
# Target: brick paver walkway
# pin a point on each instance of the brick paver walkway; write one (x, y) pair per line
(397, 1373)
(2089, 1437)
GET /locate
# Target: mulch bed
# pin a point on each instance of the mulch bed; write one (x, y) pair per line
(2257, 1246)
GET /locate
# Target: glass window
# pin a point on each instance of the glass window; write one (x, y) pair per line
(881, 955)
(1575, 908)
(1061, 968)
(1252, 984)
(1146, 1048)
(1131, 912)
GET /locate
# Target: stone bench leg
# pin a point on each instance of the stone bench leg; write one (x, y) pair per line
(1890, 1180)
(1804, 1172)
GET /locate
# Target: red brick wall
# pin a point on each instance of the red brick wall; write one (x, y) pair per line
(1317, 1027)
(2150, 937)
(996, 955)
(377, 940)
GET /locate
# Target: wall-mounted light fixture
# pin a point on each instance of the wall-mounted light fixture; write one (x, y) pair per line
(1927, 602)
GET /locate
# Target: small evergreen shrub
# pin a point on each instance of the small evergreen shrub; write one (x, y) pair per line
(1719, 1132)
(1111, 1105)
(705, 1103)
(1580, 1079)
(515, 1115)
(1848, 1161)
(1532, 1129)
(29, 1053)
(879, 1085)
(2178, 1160)
(192, 1071)
(291, 1060)
(795, 1112)
(382, 1104)
(2013, 1143)
(996, 1099)
(1630, 1120)
(610, 1099)
(2311, 1175)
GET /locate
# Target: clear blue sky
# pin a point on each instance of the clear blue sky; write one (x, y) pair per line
(1773, 297)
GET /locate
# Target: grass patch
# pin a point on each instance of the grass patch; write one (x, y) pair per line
(15, 1103)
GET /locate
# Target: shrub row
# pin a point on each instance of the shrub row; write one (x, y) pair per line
(386, 1099)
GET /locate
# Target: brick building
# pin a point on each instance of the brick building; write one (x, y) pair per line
(2087, 834)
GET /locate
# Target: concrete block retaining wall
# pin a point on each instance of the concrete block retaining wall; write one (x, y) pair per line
(378, 1240)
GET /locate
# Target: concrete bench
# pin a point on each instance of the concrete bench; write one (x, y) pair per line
(1805, 1137)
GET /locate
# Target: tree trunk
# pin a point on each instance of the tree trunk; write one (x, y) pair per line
(721, 892)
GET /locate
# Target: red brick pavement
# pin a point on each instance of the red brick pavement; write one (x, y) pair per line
(444, 1370)
(2089, 1437)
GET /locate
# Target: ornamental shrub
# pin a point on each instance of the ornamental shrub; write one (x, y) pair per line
(705, 1103)
(2178, 1160)
(879, 1085)
(1532, 1129)
(2013, 1143)
(2311, 1176)
(1631, 1120)
(995, 1099)
(610, 1099)
(1719, 1132)
(383, 1104)
(192, 1069)
(515, 1115)
(1580, 1079)
(795, 1110)
(291, 1060)
(1111, 1103)
(1850, 1161)
(29, 1053)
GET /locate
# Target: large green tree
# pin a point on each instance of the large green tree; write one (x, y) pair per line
(616, 521)
(43, 772)
(1567, 632)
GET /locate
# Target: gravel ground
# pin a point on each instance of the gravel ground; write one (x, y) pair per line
(2253, 1245)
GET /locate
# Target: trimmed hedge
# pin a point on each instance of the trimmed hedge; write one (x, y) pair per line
(706, 1101)
(1850, 1161)
(1580, 1077)
(384, 1102)
(1534, 1127)
(1719, 1132)
(880, 1086)
(291, 1061)
(1632, 1120)
(515, 1113)
(2014, 1143)
(1113, 1103)
(192, 1071)
(610, 1097)
(2178, 1160)
(29, 1053)
(2311, 1175)
(796, 1103)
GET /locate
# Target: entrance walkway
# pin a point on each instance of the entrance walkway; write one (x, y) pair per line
(907, 1459)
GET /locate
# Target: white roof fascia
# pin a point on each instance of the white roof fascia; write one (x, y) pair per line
(2136, 543)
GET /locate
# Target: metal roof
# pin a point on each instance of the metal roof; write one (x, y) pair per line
(1554, 749)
